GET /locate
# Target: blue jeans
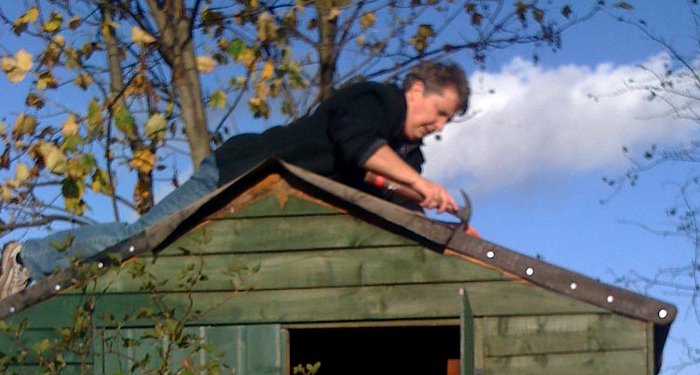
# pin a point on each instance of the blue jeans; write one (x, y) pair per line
(41, 258)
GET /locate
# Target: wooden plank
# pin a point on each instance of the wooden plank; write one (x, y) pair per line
(651, 345)
(479, 346)
(467, 332)
(632, 362)
(532, 335)
(307, 269)
(289, 233)
(410, 301)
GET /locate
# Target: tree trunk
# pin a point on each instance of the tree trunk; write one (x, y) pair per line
(327, 53)
(188, 90)
(177, 48)
(144, 200)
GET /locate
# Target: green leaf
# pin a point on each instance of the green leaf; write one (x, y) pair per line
(124, 121)
(217, 99)
(62, 246)
(100, 182)
(42, 346)
(53, 24)
(237, 267)
(420, 39)
(236, 48)
(72, 190)
(94, 118)
(155, 127)
(88, 161)
(71, 143)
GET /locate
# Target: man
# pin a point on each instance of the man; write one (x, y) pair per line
(363, 127)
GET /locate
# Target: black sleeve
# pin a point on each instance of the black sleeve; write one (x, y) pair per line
(359, 127)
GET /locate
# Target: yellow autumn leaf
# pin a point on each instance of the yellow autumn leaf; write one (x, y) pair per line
(17, 67)
(367, 19)
(74, 22)
(141, 37)
(12, 183)
(156, 126)
(6, 193)
(248, 58)
(267, 30)
(70, 126)
(205, 64)
(31, 16)
(335, 12)
(24, 60)
(107, 29)
(7, 64)
(21, 172)
(25, 124)
(268, 70)
(55, 160)
(21, 23)
(143, 160)
(169, 109)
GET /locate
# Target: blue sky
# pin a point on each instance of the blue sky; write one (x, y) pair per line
(535, 150)
(536, 146)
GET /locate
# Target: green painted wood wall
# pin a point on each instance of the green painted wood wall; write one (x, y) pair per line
(303, 262)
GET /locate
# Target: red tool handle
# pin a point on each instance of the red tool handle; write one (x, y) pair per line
(391, 185)
(463, 213)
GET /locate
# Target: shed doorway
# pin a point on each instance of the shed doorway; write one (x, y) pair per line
(377, 350)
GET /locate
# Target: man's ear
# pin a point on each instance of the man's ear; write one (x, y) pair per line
(417, 88)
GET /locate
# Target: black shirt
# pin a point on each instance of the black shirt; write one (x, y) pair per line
(334, 141)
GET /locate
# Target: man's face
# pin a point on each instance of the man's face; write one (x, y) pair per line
(427, 113)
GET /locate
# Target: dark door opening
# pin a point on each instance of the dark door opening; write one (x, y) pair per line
(421, 350)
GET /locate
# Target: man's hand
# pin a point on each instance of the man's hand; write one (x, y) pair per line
(385, 162)
(435, 196)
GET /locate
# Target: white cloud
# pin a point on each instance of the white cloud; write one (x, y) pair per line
(528, 122)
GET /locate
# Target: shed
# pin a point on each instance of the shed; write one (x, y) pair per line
(283, 267)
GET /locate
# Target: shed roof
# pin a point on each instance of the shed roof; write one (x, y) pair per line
(438, 235)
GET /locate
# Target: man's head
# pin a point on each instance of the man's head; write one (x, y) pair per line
(434, 92)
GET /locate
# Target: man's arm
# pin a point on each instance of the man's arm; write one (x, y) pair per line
(388, 163)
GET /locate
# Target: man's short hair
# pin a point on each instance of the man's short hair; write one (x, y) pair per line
(436, 76)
